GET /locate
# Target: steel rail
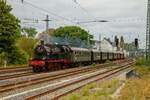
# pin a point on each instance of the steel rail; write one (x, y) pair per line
(15, 75)
(17, 69)
(6, 88)
(68, 92)
(87, 78)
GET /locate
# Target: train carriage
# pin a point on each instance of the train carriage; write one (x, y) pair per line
(110, 57)
(104, 56)
(55, 57)
(115, 56)
(80, 55)
(96, 55)
(122, 55)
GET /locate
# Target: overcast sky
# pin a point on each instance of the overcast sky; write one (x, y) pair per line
(126, 17)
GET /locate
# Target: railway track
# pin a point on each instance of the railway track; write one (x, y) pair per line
(14, 69)
(44, 77)
(14, 75)
(65, 87)
(8, 73)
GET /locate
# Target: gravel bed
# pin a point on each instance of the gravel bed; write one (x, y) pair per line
(2, 71)
(66, 81)
(74, 86)
(19, 90)
(14, 73)
(36, 76)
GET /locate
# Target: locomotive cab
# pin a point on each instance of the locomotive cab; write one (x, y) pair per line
(50, 57)
(58, 57)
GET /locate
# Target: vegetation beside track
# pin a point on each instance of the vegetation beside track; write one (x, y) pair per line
(142, 62)
(95, 91)
(138, 88)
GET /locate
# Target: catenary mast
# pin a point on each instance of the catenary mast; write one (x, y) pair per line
(148, 33)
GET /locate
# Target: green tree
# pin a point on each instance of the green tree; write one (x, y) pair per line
(9, 28)
(17, 56)
(26, 45)
(9, 33)
(74, 32)
(30, 31)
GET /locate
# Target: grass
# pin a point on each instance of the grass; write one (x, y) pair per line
(134, 89)
(95, 91)
(142, 62)
(142, 67)
(138, 88)
(110, 63)
(142, 70)
(93, 64)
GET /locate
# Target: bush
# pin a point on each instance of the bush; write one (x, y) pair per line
(141, 62)
(2, 58)
(14, 57)
(17, 56)
(26, 44)
(20, 53)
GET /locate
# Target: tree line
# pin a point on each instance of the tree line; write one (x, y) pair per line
(16, 43)
(17, 48)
